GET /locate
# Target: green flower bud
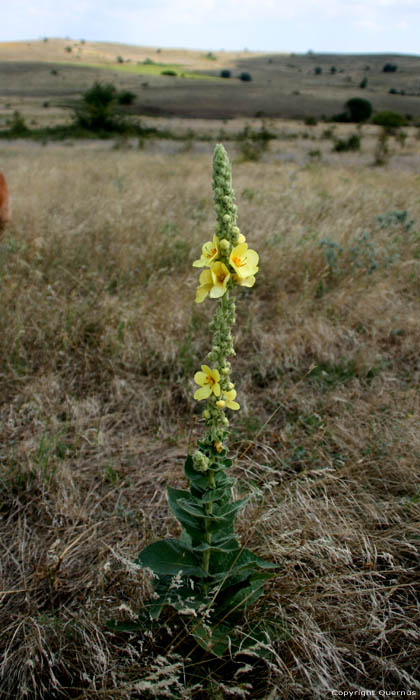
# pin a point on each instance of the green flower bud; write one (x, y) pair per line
(200, 461)
(224, 244)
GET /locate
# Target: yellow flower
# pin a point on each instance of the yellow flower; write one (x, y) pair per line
(220, 276)
(209, 253)
(206, 283)
(244, 281)
(208, 379)
(213, 281)
(229, 397)
(244, 261)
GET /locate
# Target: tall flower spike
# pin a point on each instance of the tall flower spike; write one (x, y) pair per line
(213, 571)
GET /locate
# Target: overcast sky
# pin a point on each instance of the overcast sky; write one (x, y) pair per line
(360, 26)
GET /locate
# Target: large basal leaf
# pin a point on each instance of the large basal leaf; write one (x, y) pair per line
(217, 639)
(226, 544)
(234, 598)
(170, 557)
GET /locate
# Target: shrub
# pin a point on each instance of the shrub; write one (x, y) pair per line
(225, 73)
(120, 59)
(359, 109)
(333, 70)
(253, 144)
(245, 77)
(169, 72)
(68, 49)
(363, 83)
(311, 121)
(126, 97)
(343, 117)
(382, 149)
(318, 70)
(389, 119)
(17, 125)
(96, 109)
(389, 68)
(148, 62)
(350, 144)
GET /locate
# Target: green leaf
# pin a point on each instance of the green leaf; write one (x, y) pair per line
(216, 640)
(236, 597)
(236, 567)
(199, 480)
(170, 557)
(193, 525)
(225, 544)
(124, 626)
(218, 494)
(192, 506)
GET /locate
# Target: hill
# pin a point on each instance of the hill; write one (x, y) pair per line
(186, 83)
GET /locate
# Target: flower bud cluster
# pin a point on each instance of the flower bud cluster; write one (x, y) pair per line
(230, 263)
(200, 462)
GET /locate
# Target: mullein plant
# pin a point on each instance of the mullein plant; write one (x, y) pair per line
(205, 574)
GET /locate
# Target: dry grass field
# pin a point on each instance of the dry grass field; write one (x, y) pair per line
(99, 341)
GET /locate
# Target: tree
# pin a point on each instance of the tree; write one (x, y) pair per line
(359, 110)
(96, 110)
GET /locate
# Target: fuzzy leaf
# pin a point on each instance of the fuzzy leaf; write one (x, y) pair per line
(170, 557)
(192, 524)
(216, 640)
(226, 544)
(236, 567)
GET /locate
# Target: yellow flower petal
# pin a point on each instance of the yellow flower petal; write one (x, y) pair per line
(209, 253)
(203, 393)
(244, 261)
(206, 283)
(245, 281)
(200, 378)
(230, 403)
(220, 277)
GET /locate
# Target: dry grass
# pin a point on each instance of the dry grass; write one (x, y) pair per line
(99, 342)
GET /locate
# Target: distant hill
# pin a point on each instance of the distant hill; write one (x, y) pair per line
(188, 83)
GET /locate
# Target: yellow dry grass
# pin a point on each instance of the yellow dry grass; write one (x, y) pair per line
(100, 338)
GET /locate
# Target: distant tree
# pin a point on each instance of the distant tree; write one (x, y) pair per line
(363, 83)
(97, 106)
(389, 68)
(68, 49)
(120, 59)
(126, 97)
(225, 73)
(318, 70)
(359, 110)
(333, 70)
(245, 77)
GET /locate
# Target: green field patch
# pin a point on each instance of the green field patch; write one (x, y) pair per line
(152, 69)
